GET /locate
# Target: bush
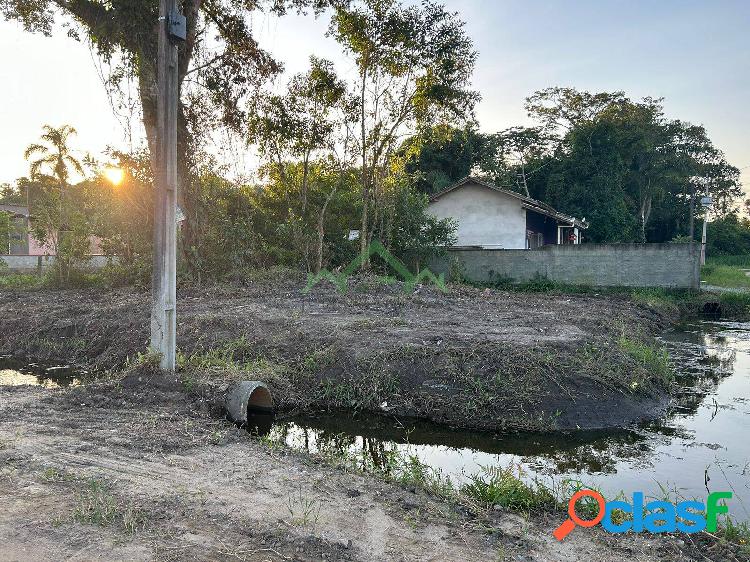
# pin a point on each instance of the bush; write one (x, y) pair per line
(728, 236)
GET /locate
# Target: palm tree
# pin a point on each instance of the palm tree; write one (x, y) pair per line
(54, 155)
(58, 158)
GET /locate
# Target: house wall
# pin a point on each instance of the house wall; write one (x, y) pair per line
(613, 265)
(36, 248)
(485, 217)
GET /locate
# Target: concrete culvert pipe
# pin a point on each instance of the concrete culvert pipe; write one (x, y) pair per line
(249, 405)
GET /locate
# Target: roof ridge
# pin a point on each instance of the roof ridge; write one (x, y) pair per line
(529, 200)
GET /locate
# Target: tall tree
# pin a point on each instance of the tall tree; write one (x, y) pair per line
(414, 65)
(515, 154)
(440, 155)
(616, 157)
(309, 124)
(55, 156)
(58, 219)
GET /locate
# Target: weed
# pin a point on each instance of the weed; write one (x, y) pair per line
(20, 281)
(97, 506)
(272, 441)
(410, 471)
(501, 486)
(303, 511)
(654, 359)
(150, 358)
(231, 359)
(737, 533)
(361, 391)
(54, 475)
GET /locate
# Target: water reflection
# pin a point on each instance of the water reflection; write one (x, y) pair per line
(701, 437)
(14, 372)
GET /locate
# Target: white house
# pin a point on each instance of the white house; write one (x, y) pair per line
(491, 217)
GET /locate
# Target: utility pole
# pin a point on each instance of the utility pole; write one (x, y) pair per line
(164, 281)
(706, 203)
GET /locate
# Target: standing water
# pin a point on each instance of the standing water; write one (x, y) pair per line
(702, 445)
(15, 372)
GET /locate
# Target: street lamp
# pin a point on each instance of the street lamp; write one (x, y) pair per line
(706, 203)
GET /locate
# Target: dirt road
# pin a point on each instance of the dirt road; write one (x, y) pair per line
(143, 471)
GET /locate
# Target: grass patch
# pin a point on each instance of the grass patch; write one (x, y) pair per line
(654, 359)
(499, 485)
(96, 505)
(410, 471)
(735, 305)
(683, 302)
(725, 276)
(739, 260)
(230, 359)
(21, 281)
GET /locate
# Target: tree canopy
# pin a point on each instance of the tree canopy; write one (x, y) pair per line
(620, 163)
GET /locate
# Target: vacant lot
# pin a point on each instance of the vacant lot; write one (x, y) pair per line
(470, 358)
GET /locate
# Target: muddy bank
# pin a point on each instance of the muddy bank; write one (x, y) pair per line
(138, 469)
(470, 358)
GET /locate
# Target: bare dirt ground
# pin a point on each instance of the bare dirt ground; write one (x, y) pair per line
(142, 471)
(471, 358)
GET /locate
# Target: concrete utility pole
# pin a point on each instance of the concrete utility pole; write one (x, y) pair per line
(163, 287)
(706, 203)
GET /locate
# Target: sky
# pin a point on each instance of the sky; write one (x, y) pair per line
(695, 54)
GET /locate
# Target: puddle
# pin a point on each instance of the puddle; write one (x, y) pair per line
(14, 372)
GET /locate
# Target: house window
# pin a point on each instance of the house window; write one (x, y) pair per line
(534, 240)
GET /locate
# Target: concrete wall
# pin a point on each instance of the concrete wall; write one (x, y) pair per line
(622, 265)
(485, 217)
(32, 264)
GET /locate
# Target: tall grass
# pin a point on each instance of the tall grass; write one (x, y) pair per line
(500, 486)
(725, 275)
(654, 359)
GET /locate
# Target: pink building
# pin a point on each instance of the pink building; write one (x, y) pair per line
(23, 243)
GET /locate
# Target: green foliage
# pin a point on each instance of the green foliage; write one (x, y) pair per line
(411, 471)
(654, 359)
(20, 281)
(414, 66)
(728, 235)
(439, 156)
(123, 217)
(725, 276)
(503, 486)
(735, 304)
(6, 229)
(63, 215)
(632, 173)
(736, 533)
(416, 235)
(741, 260)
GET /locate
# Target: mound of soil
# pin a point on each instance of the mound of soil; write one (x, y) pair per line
(470, 358)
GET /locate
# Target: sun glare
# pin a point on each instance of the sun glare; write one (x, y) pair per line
(114, 175)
